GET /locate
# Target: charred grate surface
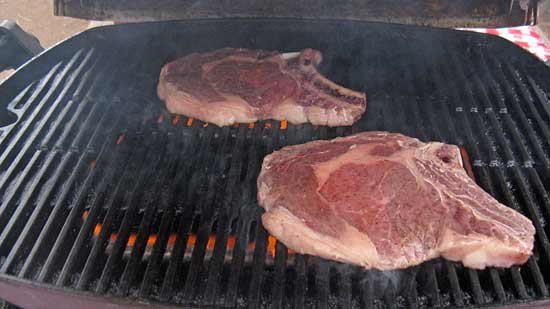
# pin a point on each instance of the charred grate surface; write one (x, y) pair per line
(102, 191)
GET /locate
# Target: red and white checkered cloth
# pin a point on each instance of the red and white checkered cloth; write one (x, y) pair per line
(525, 36)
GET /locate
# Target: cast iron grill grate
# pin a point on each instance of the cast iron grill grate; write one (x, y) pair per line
(102, 191)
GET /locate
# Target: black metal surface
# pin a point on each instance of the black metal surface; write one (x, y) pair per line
(16, 46)
(440, 13)
(91, 144)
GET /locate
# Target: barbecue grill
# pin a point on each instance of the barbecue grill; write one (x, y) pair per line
(108, 199)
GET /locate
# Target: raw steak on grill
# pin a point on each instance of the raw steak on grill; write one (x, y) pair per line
(386, 201)
(231, 85)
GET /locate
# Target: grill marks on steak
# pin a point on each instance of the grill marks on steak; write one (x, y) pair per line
(239, 85)
(387, 201)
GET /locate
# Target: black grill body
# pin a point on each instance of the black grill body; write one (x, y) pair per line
(88, 152)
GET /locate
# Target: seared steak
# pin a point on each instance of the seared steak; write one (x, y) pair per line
(386, 201)
(231, 85)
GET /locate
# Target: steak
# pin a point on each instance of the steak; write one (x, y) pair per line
(387, 201)
(232, 85)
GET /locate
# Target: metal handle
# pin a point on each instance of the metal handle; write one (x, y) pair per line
(16, 45)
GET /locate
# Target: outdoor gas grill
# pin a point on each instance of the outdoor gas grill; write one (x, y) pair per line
(105, 198)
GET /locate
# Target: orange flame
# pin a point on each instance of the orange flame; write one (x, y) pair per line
(468, 165)
(176, 120)
(120, 139)
(191, 240)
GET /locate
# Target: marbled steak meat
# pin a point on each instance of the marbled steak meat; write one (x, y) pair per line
(387, 201)
(232, 85)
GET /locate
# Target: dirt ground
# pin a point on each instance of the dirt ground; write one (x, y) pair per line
(36, 17)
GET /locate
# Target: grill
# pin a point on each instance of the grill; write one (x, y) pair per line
(106, 198)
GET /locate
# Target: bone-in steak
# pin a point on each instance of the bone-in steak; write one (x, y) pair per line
(231, 85)
(386, 201)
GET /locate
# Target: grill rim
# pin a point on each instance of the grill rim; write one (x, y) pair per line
(17, 291)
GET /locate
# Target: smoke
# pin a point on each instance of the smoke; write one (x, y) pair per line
(523, 4)
(381, 283)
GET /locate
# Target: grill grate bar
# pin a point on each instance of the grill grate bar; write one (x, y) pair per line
(541, 96)
(321, 283)
(482, 171)
(390, 296)
(458, 295)
(322, 270)
(29, 140)
(27, 95)
(520, 83)
(153, 265)
(192, 235)
(345, 291)
(207, 219)
(510, 92)
(518, 281)
(412, 293)
(159, 248)
(537, 276)
(281, 256)
(60, 122)
(156, 153)
(222, 234)
(179, 173)
(182, 232)
(367, 286)
(497, 284)
(123, 235)
(403, 119)
(476, 286)
(23, 210)
(258, 265)
(451, 131)
(11, 229)
(38, 208)
(110, 162)
(22, 130)
(10, 198)
(520, 287)
(457, 292)
(112, 204)
(244, 225)
(260, 239)
(85, 229)
(97, 135)
(540, 153)
(5, 209)
(301, 274)
(295, 135)
(534, 214)
(237, 261)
